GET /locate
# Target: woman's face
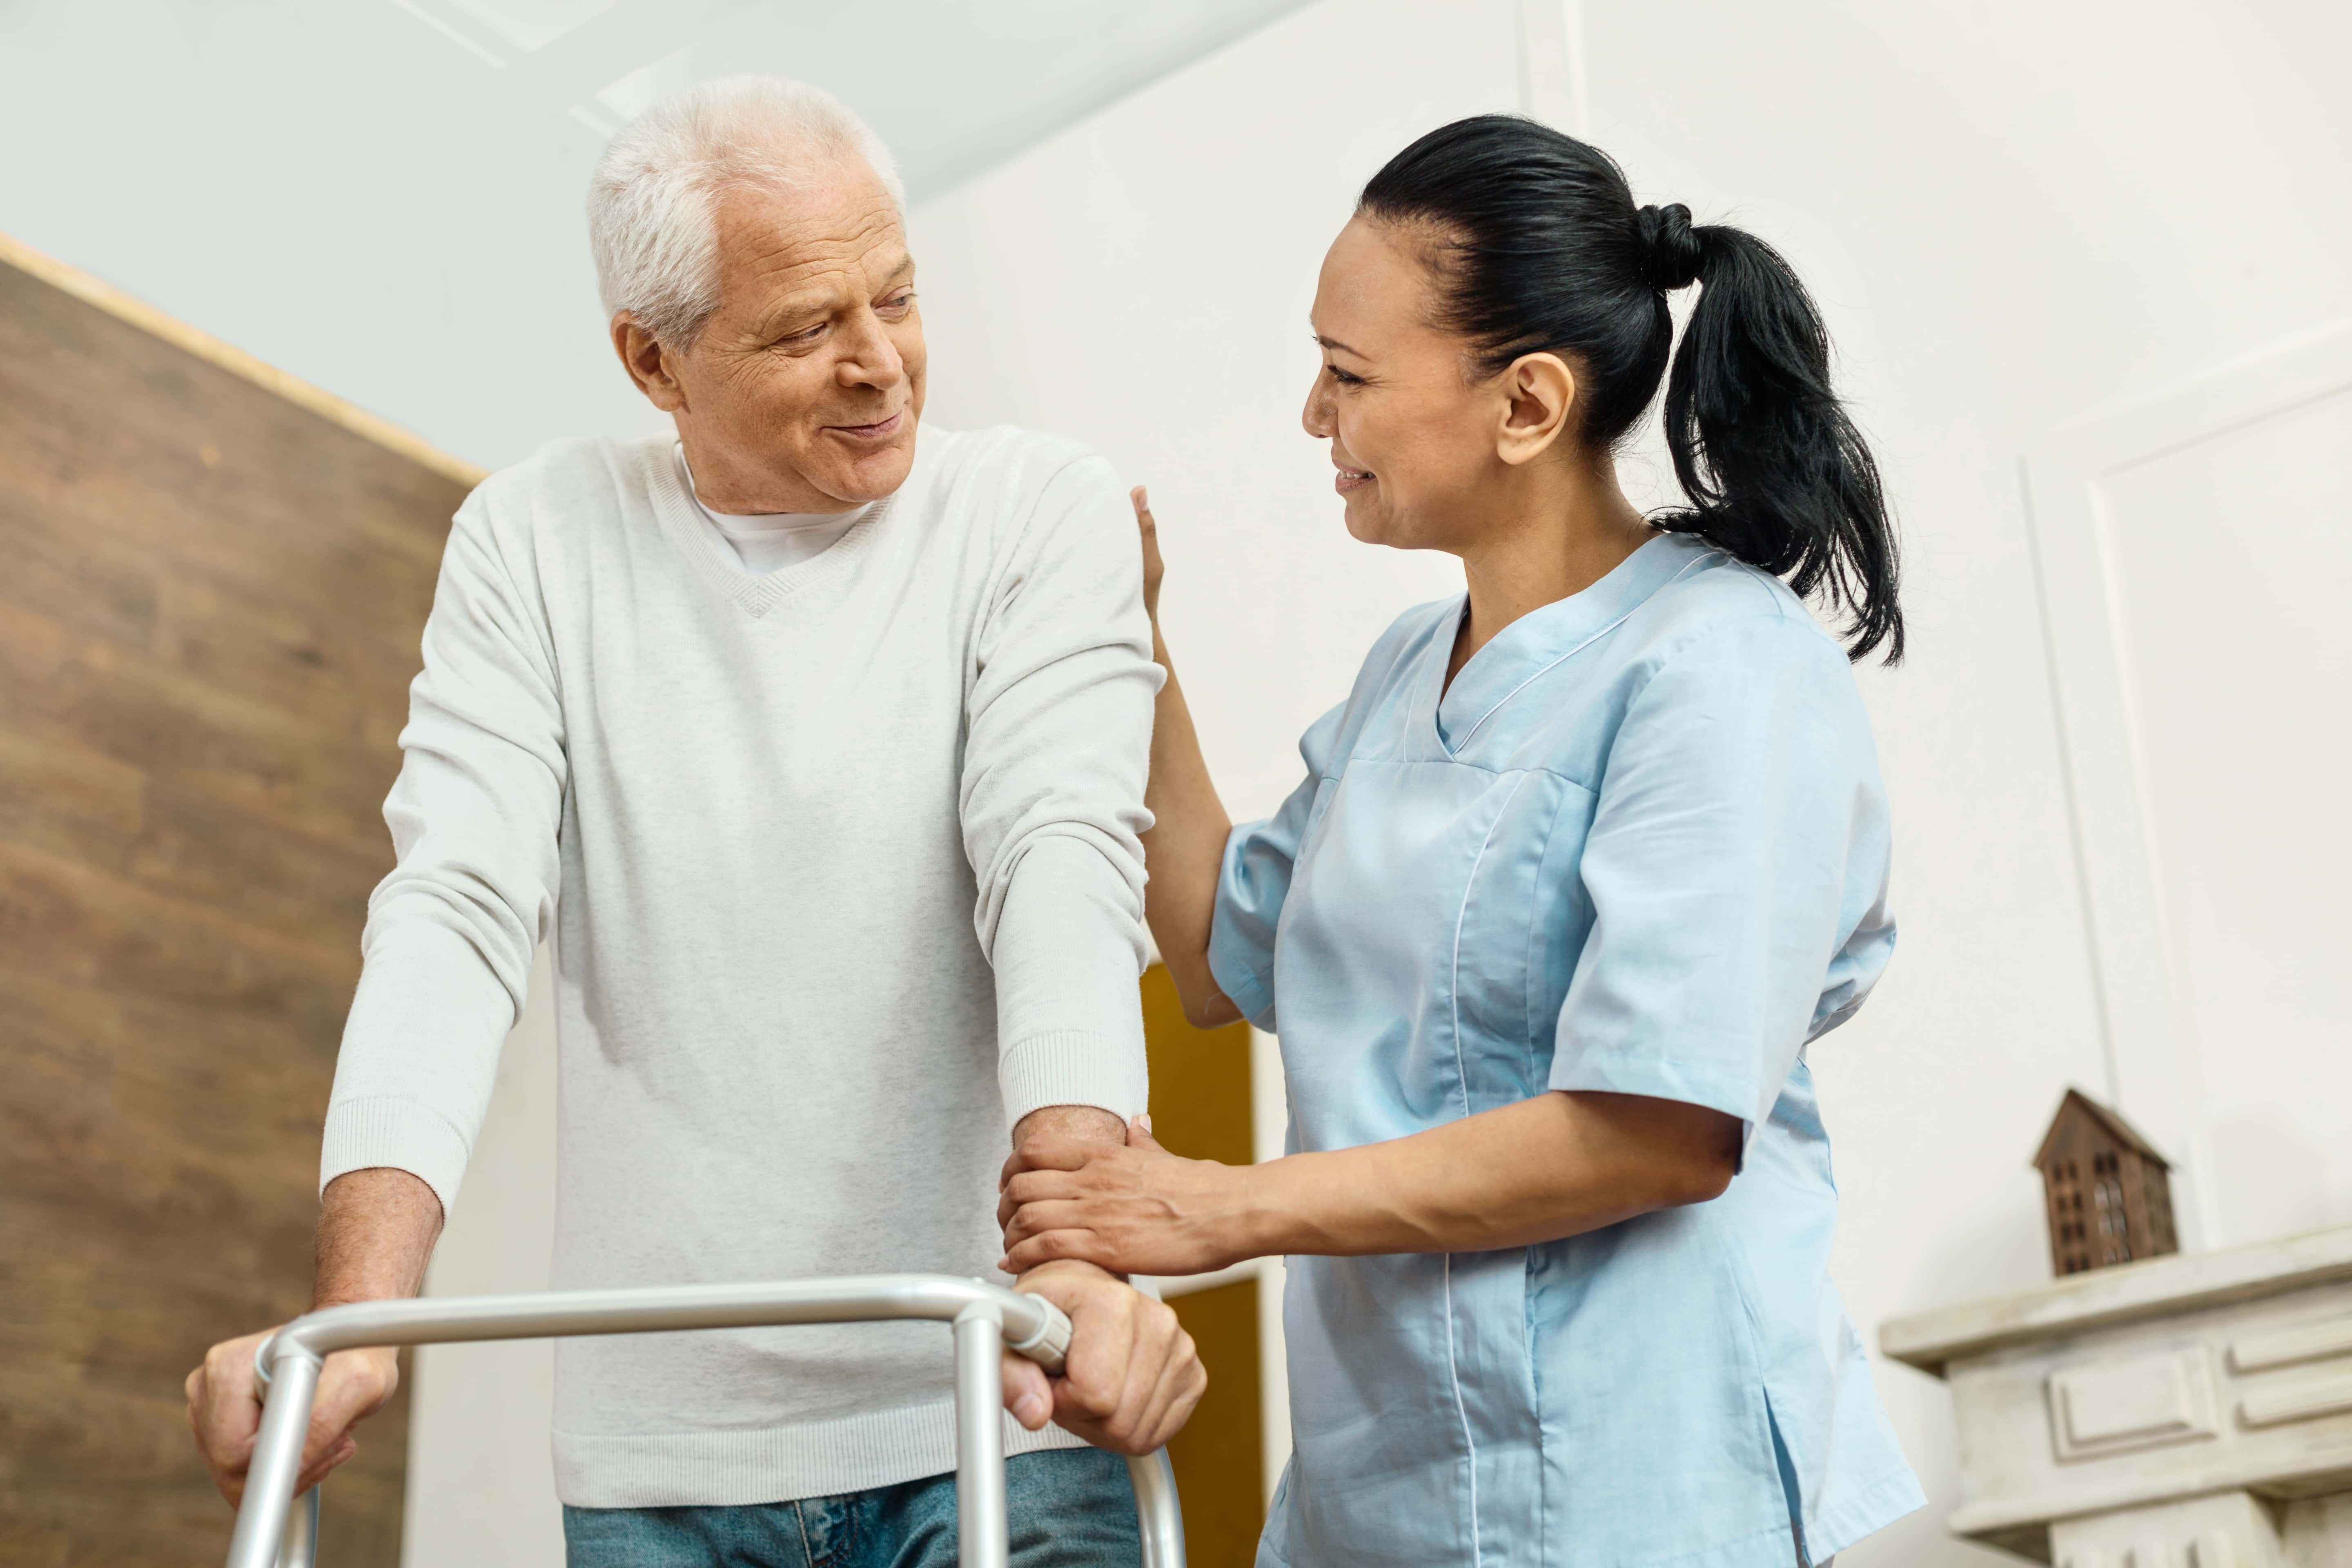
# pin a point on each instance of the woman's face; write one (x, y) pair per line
(1413, 430)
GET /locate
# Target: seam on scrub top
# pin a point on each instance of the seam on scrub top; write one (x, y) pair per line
(1454, 1371)
(1461, 1070)
(1462, 1080)
(1579, 649)
(1536, 934)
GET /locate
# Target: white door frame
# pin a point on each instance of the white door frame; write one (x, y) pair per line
(2151, 1059)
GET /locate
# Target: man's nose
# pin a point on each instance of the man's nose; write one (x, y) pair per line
(869, 358)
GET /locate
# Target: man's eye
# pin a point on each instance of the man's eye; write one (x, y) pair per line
(899, 301)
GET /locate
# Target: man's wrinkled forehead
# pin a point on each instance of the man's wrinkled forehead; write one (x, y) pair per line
(834, 219)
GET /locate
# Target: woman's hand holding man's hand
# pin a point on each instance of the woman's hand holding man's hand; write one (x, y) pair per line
(1137, 1209)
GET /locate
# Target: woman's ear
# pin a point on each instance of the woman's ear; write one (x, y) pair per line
(1539, 392)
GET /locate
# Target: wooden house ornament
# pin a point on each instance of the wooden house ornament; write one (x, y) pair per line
(2109, 1194)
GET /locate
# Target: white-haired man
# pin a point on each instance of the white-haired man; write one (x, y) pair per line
(819, 746)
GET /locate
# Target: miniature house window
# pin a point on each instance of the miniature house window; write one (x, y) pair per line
(2109, 1192)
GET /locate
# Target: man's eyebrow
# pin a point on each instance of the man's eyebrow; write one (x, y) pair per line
(795, 307)
(809, 303)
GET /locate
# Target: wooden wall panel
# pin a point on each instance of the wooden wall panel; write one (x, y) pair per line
(212, 584)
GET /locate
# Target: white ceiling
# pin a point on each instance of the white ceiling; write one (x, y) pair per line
(383, 197)
(953, 85)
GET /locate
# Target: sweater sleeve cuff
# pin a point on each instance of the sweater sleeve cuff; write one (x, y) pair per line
(1071, 1067)
(382, 1130)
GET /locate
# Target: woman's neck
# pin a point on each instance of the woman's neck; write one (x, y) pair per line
(1569, 528)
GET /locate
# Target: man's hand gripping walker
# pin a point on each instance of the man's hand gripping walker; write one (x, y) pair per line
(271, 1532)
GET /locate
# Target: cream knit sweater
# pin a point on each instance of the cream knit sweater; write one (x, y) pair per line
(842, 870)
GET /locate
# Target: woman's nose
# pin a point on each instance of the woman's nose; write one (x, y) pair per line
(1315, 419)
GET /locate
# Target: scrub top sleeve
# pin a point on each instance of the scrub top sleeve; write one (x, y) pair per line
(1739, 791)
(1255, 880)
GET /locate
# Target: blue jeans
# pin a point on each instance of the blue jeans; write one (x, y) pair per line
(1069, 1508)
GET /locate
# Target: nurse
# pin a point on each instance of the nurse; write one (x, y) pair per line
(1587, 860)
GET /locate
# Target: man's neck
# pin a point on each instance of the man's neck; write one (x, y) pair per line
(738, 490)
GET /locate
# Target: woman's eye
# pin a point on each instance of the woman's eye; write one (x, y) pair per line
(1342, 377)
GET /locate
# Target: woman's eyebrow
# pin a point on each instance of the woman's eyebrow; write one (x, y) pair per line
(1343, 348)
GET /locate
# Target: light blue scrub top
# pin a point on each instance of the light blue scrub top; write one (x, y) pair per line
(1640, 846)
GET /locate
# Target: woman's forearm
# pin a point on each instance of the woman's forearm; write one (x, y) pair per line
(1556, 1165)
(1184, 851)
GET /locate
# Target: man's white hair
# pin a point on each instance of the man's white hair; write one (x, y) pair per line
(651, 206)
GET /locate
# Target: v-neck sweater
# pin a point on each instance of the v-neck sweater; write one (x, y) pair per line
(765, 541)
(842, 867)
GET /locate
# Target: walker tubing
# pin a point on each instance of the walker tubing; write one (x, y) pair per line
(985, 1316)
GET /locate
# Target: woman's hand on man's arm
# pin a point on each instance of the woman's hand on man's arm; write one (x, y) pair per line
(1559, 1164)
(1185, 849)
(1065, 1200)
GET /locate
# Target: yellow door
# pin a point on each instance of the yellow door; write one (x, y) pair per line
(1200, 1109)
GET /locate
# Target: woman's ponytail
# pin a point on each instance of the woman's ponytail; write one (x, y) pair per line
(1542, 250)
(1776, 473)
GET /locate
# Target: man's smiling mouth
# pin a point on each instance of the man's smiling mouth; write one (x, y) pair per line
(874, 431)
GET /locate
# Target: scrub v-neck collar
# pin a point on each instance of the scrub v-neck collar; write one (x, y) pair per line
(1543, 637)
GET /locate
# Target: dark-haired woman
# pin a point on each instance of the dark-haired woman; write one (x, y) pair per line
(1584, 862)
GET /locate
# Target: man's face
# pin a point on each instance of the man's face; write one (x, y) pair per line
(803, 390)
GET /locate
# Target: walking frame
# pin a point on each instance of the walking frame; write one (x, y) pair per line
(272, 1532)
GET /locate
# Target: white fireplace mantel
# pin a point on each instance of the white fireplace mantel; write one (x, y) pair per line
(2186, 1412)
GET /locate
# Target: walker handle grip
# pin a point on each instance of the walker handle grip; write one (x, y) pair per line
(1051, 1343)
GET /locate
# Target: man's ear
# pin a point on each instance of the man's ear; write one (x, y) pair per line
(649, 364)
(1539, 395)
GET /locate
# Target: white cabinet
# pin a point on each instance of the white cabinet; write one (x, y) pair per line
(2187, 1412)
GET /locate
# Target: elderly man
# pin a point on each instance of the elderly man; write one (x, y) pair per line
(817, 741)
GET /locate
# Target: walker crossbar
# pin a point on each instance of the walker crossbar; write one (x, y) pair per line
(986, 1319)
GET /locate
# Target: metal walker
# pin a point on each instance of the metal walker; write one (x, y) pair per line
(271, 1532)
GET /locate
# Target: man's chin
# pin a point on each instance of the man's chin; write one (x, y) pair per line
(854, 475)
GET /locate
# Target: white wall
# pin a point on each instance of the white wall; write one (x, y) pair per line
(2011, 212)
(2192, 549)
(1143, 281)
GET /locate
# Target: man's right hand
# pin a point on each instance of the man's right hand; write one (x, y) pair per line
(225, 1410)
(376, 1229)
(1133, 1375)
